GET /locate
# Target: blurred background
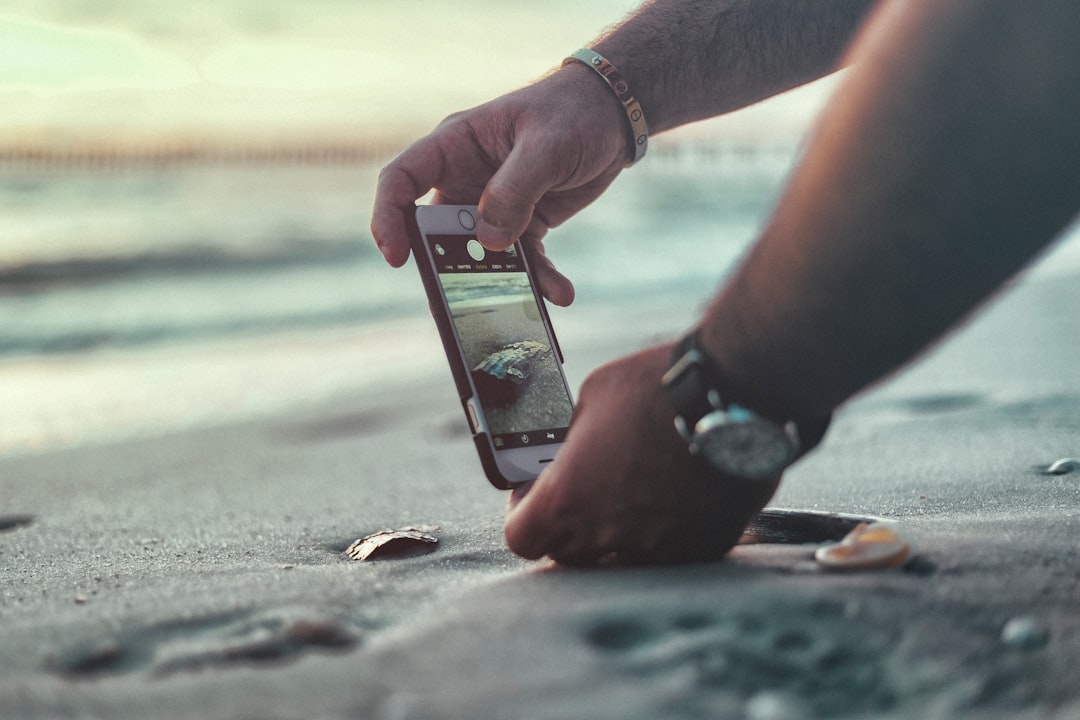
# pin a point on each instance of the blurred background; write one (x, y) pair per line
(185, 192)
(131, 77)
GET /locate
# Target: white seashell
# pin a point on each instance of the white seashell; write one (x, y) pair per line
(869, 546)
(1064, 466)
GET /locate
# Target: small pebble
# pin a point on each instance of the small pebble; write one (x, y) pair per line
(80, 599)
(1025, 633)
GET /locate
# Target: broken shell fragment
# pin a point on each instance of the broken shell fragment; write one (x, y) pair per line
(511, 362)
(869, 546)
(387, 544)
(503, 374)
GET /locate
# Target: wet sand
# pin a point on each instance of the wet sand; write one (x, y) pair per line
(200, 574)
(538, 402)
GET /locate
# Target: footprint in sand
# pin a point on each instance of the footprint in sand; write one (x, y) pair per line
(207, 642)
(812, 654)
(14, 522)
(942, 403)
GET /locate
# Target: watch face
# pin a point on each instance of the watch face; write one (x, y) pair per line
(750, 448)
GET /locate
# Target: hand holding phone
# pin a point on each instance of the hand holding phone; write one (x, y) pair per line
(499, 342)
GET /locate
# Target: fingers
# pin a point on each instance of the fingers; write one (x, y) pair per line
(517, 494)
(555, 286)
(506, 204)
(547, 518)
(417, 170)
(624, 487)
(573, 510)
(408, 176)
(543, 522)
(526, 149)
(509, 200)
(523, 535)
(561, 515)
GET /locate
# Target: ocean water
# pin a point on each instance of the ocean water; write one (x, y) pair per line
(140, 299)
(126, 258)
(137, 300)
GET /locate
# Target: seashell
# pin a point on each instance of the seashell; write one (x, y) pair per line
(500, 376)
(405, 542)
(511, 362)
(1063, 466)
(869, 546)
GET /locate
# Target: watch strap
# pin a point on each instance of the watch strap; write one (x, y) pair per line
(695, 384)
(689, 388)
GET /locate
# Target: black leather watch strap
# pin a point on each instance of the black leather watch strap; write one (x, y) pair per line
(695, 385)
(688, 385)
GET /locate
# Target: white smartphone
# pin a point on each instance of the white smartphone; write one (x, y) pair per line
(498, 338)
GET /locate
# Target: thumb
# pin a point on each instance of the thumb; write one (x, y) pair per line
(508, 201)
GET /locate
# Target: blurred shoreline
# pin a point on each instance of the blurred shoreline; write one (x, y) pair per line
(143, 292)
(117, 150)
(140, 297)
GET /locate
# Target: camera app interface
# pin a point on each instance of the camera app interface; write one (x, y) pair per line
(513, 365)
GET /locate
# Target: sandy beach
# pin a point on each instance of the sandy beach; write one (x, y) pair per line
(200, 574)
(211, 386)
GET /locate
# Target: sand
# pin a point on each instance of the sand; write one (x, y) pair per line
(539, 402)
(200, 574)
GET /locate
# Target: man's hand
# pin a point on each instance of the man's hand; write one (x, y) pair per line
(530, 159)
(624, 487)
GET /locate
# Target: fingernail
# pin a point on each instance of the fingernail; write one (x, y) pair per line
(491, 236)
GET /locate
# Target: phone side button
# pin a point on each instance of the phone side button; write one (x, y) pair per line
(474, 422)
(558, 348)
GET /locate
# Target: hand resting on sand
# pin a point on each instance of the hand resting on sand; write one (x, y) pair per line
(624, 487)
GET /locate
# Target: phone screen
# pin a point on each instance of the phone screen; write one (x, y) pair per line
(508, 351)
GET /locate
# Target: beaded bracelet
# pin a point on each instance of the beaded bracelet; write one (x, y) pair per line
(621, 88)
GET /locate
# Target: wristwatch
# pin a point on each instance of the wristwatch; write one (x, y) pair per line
(731, 439)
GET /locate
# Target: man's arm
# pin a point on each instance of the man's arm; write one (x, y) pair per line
(537, 156)
(697, 59)
(950, 157)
